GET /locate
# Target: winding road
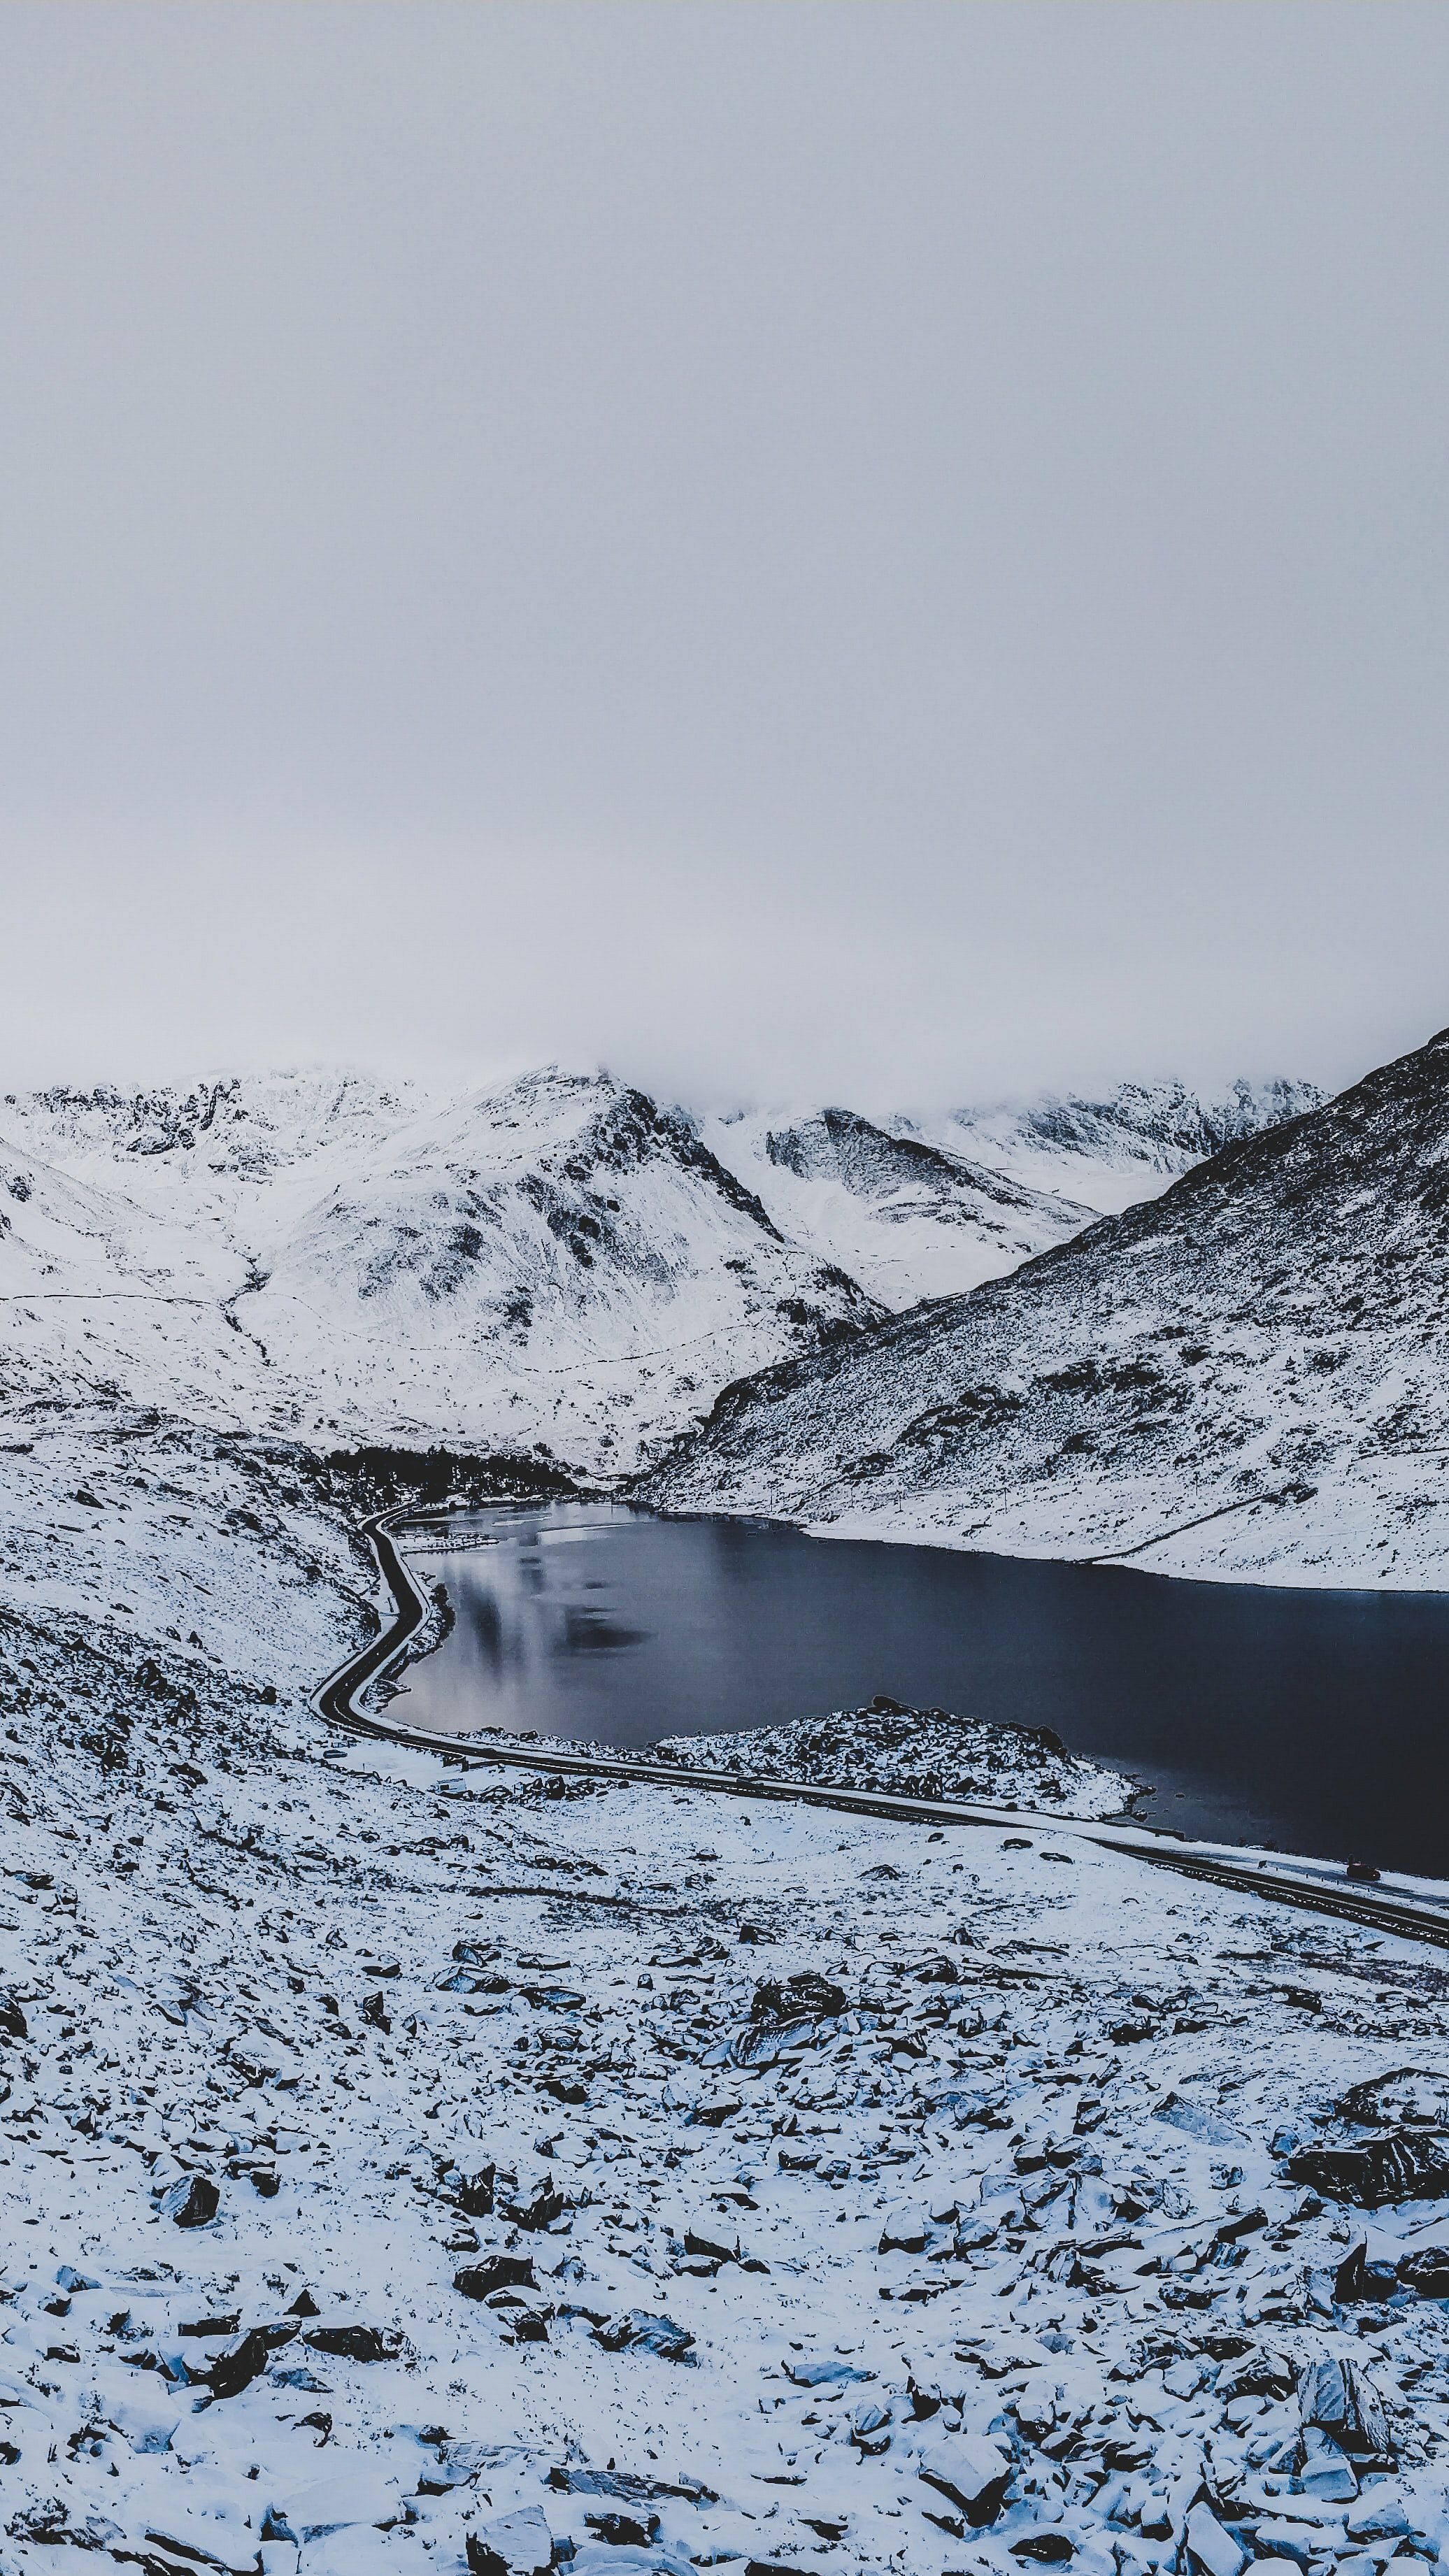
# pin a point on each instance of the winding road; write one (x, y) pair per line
(1312, 1886)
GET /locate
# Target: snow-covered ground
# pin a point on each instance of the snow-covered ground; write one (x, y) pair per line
(408, 2166)
(833, 2182)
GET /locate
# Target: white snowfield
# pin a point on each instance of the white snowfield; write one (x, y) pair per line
(405, 2167)
(560, 1265)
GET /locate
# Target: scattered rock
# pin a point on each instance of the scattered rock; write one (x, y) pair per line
(1216, 2551)
(353, 2343)
(806, 1997)
(1337, 2400)
(191, 2202)
(517, 2544)
(972, 2472)
(495, 2272)
(909, 2232)
(1426, 2272)
(624, 2530)
(651, 2334)
(540, 2212)
(1196, 2122)
(234, 2370)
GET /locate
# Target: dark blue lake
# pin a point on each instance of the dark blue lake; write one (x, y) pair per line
(1314, 1720)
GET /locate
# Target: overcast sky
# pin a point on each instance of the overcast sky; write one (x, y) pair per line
(891, 552)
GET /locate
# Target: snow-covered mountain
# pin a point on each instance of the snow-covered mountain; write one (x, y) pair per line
(1249, 1374)
(1113, 1152)
(919, 1207)
(906, 1217)
(560, 1262)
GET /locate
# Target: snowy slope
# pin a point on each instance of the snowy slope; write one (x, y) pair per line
(450, 2175)
(907, 1218)
(1113, 1152)
(1259, 1354)
(559, 1262)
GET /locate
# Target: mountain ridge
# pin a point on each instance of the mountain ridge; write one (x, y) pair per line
(1270, 1327)
(561, 1264)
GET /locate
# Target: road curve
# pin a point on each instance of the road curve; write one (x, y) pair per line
(1306, 1886)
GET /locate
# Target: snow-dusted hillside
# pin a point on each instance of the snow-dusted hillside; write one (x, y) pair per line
(907, 1218)
(1249, 1375)
(558, 1262)
(407, 2168)
(561, 1262)
(1114, 1152)
(917, 1207)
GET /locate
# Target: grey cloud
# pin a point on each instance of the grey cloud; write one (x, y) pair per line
(891, 549)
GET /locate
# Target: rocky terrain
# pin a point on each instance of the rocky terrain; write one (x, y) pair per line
(402, 2165)
(1245, 1376)
(917, 1753)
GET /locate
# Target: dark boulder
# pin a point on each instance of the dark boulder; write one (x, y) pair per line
(191, 2202)
(637, 2329)
(805, 1997)
(1338, 2401)
(495, 2272)
(353, 2343)
(541, 2211)
(234, 2370)
(624, 2530)
(1357, 2280)
(517, 2544)
(1426, 2272)
(1401, 2164)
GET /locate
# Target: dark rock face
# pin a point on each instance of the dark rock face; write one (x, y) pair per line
(1169, 1115)
(1237, 1339)
(352, 2343)
(1401, 2165)
(1426, 2272)
(872, 1164)
(636, 2328)
(517, 2544)
(496, 2272)
(624, 2530)
(802, 1998)
(537, 2213)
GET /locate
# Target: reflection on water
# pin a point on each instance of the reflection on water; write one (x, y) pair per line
(1311, 1719)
